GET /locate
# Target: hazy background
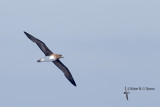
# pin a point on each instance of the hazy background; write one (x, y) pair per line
(106, 44)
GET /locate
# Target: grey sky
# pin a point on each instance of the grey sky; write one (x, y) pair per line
(107, 45)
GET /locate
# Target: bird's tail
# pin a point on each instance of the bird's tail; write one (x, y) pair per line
(39, 60)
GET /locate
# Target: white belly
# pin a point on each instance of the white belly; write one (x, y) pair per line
(48, 59)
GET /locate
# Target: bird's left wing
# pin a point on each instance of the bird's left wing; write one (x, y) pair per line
(40, 44)
(65, 70)
(125, 89)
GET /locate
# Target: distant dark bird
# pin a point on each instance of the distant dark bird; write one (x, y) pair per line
(126, 93)
(52, 57)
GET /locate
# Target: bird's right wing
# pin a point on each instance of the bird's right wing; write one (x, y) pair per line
(65, 70)
(127, 96)
(40, 44)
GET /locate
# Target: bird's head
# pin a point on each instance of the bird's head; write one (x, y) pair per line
(59, 56)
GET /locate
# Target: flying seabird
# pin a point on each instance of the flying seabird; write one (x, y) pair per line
(52, 57)
(126, 93)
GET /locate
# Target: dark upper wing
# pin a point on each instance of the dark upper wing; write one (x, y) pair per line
(40, 44)
(65, 70)
(125, 89)
(127, 96)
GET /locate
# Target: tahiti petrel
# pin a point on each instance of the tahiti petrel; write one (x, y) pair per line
(52, 57)
(126, 93)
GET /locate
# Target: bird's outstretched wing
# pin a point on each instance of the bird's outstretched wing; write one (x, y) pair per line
(127, 96)
(125, 89)
(65, 70)
(40, 44)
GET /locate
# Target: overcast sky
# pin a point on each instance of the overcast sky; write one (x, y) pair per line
(106, 44)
